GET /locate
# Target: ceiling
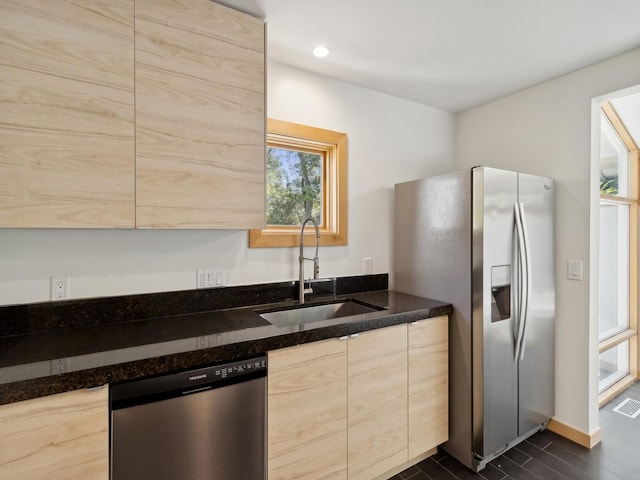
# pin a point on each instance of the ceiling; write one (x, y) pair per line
(448, 54)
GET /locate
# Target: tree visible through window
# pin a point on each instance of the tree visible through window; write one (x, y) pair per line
(306, 176)
(294, 186)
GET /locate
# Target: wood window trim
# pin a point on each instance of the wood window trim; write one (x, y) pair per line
(616, 340)
(627, 140)
(614, 390)
(632, 200)
(334, 228)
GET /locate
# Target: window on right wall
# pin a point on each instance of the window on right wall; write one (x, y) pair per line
(618, 255)
(306, 175)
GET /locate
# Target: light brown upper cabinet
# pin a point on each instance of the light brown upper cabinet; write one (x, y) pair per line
(67, 114)
(200, 117)
(115, 118)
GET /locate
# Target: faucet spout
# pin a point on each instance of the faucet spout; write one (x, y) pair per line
(302, 258)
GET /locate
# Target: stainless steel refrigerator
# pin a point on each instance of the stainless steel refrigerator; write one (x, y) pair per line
(482, 239)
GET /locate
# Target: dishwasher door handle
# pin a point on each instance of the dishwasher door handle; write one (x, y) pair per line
(196, 390)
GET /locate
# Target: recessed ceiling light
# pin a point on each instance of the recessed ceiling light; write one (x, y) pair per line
(321, 51)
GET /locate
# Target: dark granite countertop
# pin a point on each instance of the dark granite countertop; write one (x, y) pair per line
(86, 347)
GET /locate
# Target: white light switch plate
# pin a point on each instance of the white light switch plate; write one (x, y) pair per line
(367, 265)
(210, 277)
(574, 269)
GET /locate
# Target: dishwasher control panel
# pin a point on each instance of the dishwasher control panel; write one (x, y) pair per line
(150, 389)
(229, 370)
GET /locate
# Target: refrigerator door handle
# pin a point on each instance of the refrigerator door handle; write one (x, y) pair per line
(527, 255)
(525, 275)
(523, 283)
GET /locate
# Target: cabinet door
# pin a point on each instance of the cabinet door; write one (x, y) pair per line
(200, 119)
(59, 437)
(428, 385)
(307, 412)
(66, 103)
(377, 402)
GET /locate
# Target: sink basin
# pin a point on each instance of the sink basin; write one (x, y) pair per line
(315, 313)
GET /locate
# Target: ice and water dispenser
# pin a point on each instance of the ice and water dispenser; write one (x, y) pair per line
(500, 292)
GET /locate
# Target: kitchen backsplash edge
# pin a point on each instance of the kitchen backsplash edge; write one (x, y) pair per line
(51, 316)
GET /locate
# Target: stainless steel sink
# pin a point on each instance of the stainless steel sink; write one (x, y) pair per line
(315, 313)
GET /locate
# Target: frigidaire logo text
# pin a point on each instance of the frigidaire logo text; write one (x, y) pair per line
(198, 377)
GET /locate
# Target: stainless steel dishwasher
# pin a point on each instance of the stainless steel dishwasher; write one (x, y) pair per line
(201, 424)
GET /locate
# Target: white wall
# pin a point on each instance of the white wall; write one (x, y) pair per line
(390, 140)
(546, 130)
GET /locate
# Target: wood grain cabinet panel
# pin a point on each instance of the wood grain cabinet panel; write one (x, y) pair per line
(307, 412)
(358, 408)
(428, 385)
(377, 379)
(59, 437)
(67, 113)
(200, 118)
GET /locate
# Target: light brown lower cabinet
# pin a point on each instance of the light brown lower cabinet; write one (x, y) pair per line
(377, 400)
(360, 407)
(58, 437)
(307, 412)
(428, 384)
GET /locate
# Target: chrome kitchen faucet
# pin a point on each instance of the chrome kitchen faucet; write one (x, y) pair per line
(302, 258)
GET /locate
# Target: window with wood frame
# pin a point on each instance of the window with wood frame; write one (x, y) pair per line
(306, 177)
(618, 313)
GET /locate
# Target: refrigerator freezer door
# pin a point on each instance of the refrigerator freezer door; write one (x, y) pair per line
(536, 368)
(495, 373)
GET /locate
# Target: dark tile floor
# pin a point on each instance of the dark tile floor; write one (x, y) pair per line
(547, 456)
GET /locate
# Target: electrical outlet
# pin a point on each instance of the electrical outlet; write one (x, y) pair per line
(207, 277)
(203, 279)
(60, 288)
